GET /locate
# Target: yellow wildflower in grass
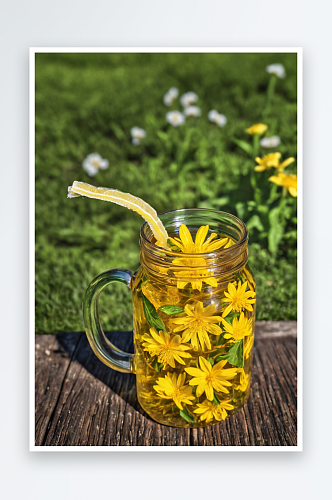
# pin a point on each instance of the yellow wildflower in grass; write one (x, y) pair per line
(186, 244)
(241, 327)
(195, 277)
(257, 128)
(197, 324)
(173, 387)
(288, 181)
(244, 380)
(209, 410)
(209, 378)
(248, 346)
(167, 347)
(272, 160)
(267, 162)
(285, 164)
(238, 298)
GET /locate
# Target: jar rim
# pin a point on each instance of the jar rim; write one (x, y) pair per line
(222, 251)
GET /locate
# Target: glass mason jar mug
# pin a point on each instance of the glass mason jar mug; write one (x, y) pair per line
(193, 315)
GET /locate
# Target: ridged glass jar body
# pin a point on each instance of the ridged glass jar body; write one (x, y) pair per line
(171, 341)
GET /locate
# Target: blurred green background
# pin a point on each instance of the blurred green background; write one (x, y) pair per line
(88, 103)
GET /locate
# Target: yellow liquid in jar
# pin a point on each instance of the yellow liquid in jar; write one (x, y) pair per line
(164, 391)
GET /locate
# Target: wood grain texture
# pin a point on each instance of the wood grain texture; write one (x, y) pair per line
(81, 402)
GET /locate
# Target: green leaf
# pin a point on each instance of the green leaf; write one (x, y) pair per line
(229, 318)
(171, 310)
(216, 352)
(174, 248)
(210, 360)
(255, 223)
(244, 145)
(215, 401)
(156, 365)
(152, 316)
(141, 283)
(239, 277)
(241, 209)
(186, 415)
(234, 355)
(276, 230)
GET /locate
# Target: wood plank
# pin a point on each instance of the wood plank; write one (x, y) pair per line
(52, 355)
(275, 329)
(97, 406)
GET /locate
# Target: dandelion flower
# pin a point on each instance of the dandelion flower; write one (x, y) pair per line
(285, 164)
(288, 181)
(209, 410)
(272, 160)
(192, 111)
(276, 69)
(167, 347)
(175, 118)
(137, 134)
(257, 128)
(248, 346)
(270, 142)
(188, 98)
(173, 387)
(186, 244)
(244, 381)
(170, 96)
(208, 378)
(93, 162)
(194, 273)
(198, 323)
(238, 298)
(217, 118)
(241, 327)
(267, 162)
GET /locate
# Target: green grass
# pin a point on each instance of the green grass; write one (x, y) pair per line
(89, 102)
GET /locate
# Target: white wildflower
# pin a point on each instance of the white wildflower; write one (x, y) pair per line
(217, 118)
(170, 96)
(175, 118)
(93, 163)
(270, 142)
(137, 134)
(188, 98)
(276, 69)
(192, 111)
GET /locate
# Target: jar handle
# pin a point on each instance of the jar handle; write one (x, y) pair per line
(101, 346)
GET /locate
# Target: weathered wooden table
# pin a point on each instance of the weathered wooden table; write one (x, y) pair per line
(81, 402)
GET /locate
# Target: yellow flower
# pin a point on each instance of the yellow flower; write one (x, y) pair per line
(186, 244)
(167, 347)
(268, 161)
(209, 378)
(288, 181)
(195, 277)
(209, 410)
(248, 346)
(285, 164)
(239, 328)
(173, 387)
(230, 243)
(238, 298)
(197, 324)
(258, 128)
(272, 160)
(244, 380)
(160, 296)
